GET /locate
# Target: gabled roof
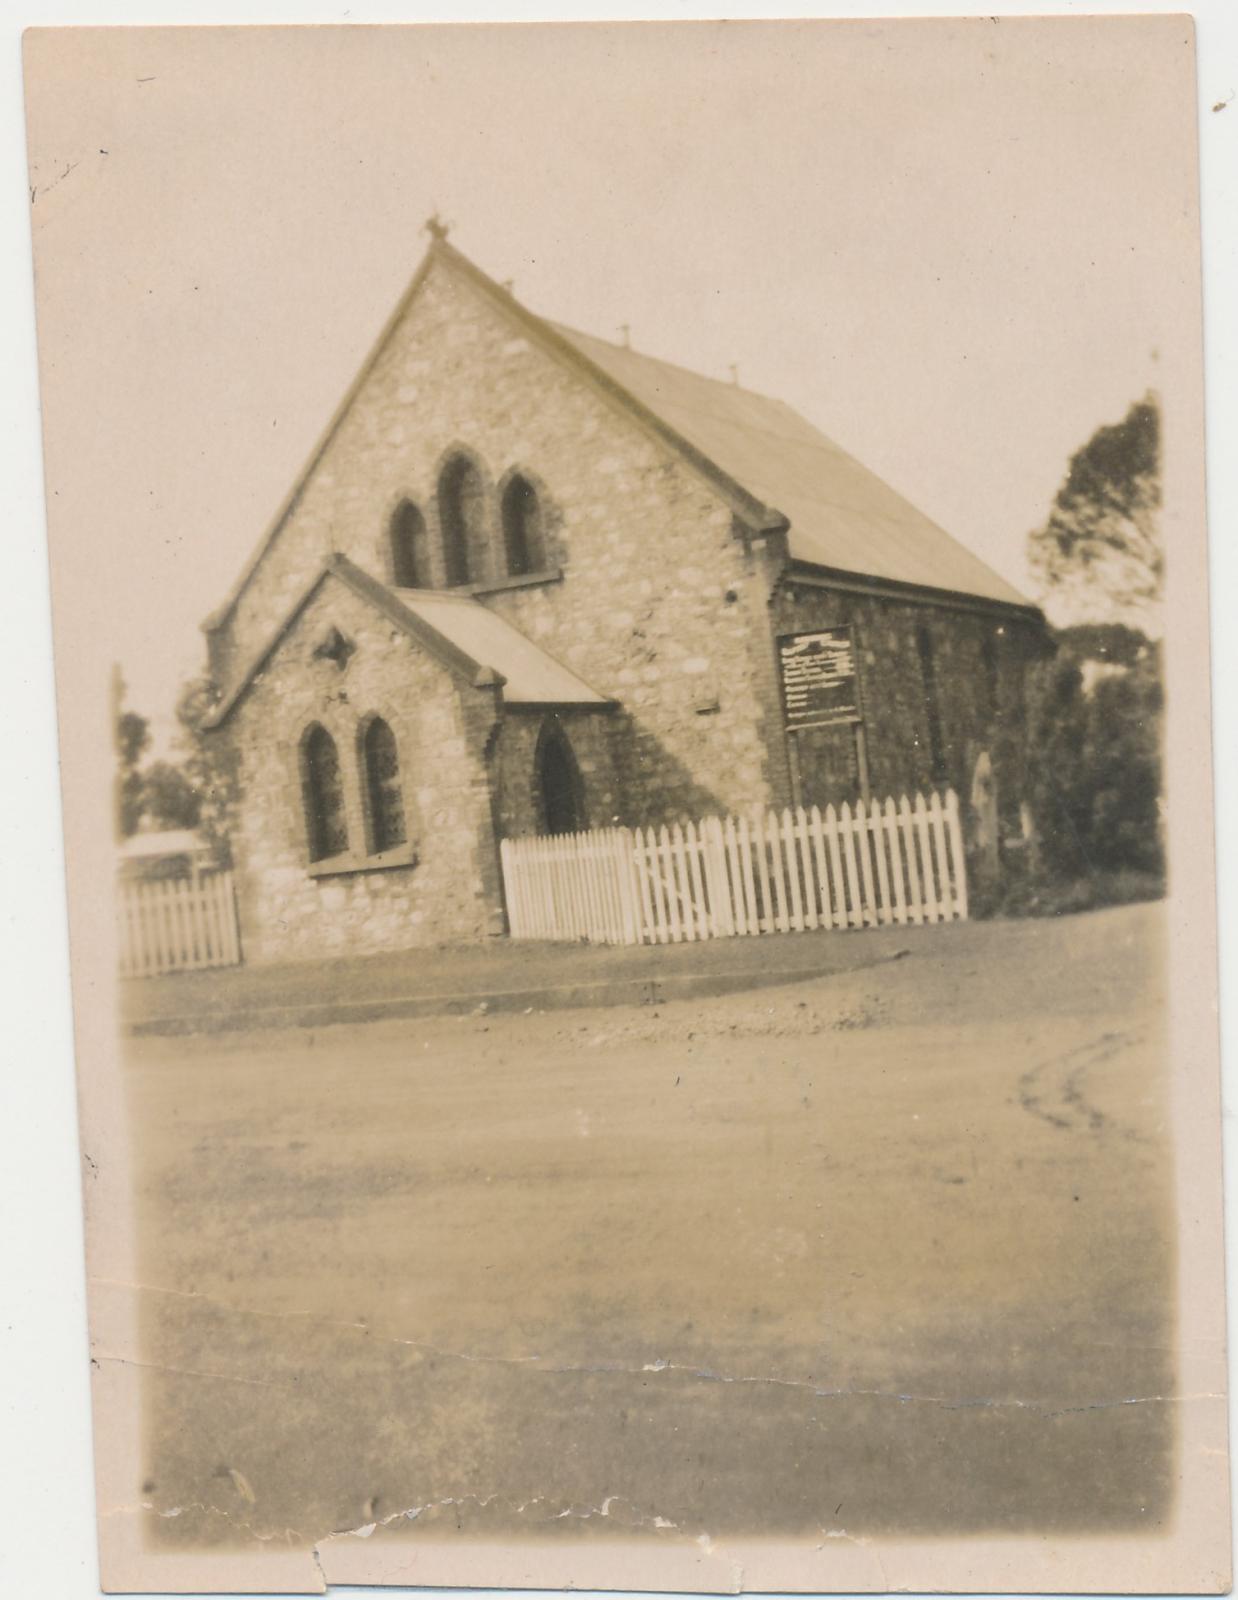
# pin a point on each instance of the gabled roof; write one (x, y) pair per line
(460, 633)
(776, 471)
(842, 516)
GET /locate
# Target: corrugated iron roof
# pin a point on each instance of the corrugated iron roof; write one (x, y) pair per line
(842, 515)
(531, 676)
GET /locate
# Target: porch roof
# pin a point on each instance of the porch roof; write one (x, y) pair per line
(530, 676)
(458, 631)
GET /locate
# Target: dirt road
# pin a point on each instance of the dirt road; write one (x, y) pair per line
(890, 1250)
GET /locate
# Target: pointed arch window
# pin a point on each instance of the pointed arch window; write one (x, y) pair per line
(523, 542)
(461, 505)
(326, 822)
(380, 761)
(410, 566)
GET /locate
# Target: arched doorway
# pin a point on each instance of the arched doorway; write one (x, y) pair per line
(560, 793)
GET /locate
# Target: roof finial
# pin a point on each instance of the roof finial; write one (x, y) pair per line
(436, 227)
(625, 334)
(734, 373)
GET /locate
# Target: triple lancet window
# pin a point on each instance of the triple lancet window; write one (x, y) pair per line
(477, 542)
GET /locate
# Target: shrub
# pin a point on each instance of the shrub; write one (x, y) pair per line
(1095, 729)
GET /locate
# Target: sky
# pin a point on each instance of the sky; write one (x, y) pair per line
(956, 247)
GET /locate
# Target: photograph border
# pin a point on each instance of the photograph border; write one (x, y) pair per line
(42, 1034)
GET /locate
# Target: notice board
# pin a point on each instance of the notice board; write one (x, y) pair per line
(819, 685)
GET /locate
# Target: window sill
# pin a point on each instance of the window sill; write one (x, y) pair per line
(525, 580)
(404, 855)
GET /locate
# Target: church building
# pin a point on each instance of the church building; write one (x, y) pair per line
(533, 582)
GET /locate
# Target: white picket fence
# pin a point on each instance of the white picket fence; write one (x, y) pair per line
(177, 924)
(773, 873)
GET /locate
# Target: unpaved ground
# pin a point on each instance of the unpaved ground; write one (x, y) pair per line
(891, 1250)
(500, 972)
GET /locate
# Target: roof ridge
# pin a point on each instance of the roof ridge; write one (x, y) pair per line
(720, 414)
(818, 440)
(725, 384)
(813, 439)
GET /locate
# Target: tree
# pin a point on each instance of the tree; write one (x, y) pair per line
(208, 764)
(198, 791)
(1096, 708)
(1098, 557)
(169, 798)
(1095, 760)
(1125, 730)
(132, 736)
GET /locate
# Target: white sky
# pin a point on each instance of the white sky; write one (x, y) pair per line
(955, 247)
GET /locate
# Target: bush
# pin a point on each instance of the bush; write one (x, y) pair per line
(1095, 762)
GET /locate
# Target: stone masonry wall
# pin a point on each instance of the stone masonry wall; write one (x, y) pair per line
(658, 606)
(648, 592)
(442, 728)
(591, 736)
(980, 702)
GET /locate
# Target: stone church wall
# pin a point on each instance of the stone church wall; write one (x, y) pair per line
(655, 601)
(979, 668)
(450, 890)
(644, 585)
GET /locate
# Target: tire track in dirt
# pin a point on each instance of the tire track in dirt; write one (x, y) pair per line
(1055, 1089)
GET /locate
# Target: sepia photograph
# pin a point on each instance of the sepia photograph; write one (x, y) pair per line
(631, 629)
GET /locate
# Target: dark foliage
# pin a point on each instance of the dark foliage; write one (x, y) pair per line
(198, 791)
(1096, 708)
(208, 766)
(169, 798)
(1114, 475)
(1102, 540)
(1109, 643)
(132, 735)
(1096, 774)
